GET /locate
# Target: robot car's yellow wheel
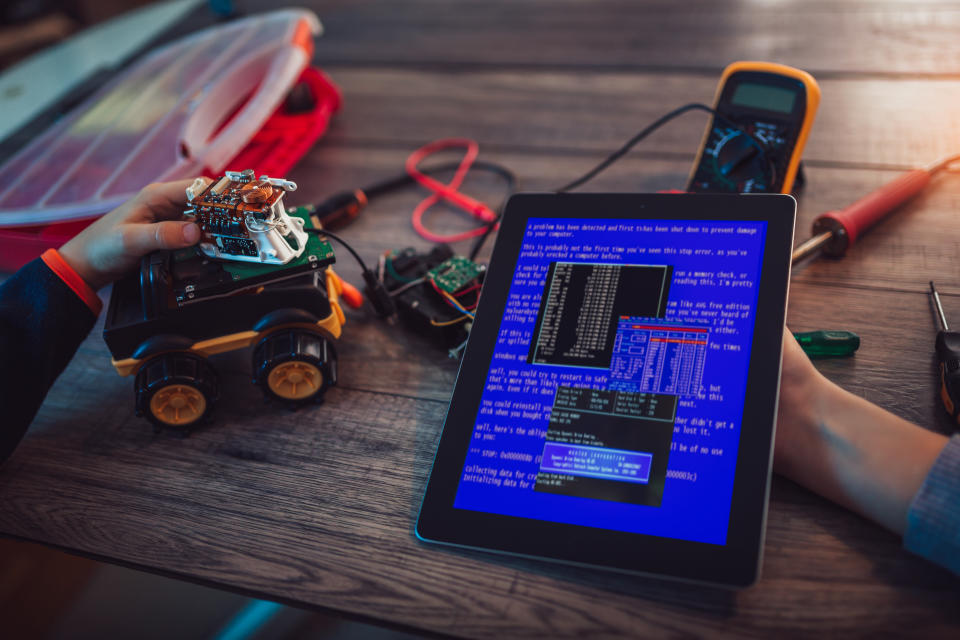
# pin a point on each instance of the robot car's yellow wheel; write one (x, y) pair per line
(295, 380)
(294, 366)
(178, 405)
(176, 390)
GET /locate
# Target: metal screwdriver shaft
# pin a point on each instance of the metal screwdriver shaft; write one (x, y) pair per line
(936, 299)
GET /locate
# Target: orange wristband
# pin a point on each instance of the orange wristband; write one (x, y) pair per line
(53, 259)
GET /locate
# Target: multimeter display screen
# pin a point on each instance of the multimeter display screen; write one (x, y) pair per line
(761, 96)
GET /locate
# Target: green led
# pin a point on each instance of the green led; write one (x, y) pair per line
(828, 344)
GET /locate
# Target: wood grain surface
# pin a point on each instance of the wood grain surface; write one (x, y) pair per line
(316, 507)
(851, 37)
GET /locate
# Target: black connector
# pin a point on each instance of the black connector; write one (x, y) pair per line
(379, 297)
(340, 209)
(376, 292)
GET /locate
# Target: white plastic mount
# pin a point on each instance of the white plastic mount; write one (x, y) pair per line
(272, 236)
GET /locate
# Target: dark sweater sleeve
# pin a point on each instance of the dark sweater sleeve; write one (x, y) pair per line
(42, 322)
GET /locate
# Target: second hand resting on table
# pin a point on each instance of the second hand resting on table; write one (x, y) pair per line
(837, 444)
(846, 448)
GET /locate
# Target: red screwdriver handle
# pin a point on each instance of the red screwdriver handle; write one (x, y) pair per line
(850, 222)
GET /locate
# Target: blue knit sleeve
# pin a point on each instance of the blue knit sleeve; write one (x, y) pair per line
(933, 520)
(42, 322)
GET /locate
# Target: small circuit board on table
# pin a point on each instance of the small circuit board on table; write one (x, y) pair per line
(435, 292)
(454, 273)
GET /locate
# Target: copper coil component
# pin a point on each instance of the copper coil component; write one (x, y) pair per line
(257, 192)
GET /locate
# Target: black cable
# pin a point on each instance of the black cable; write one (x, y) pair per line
(478, 243)
(510, 185)
(341, 208)
(324, 232)
(656, 124)
(403, 180)
(378, 295)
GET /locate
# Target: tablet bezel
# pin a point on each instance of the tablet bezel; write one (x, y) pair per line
(735, 564)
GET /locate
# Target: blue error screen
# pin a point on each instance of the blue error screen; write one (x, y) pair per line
(616, 387)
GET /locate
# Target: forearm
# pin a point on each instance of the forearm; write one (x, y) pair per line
(857, 454)
(42, 322)
(48, 307)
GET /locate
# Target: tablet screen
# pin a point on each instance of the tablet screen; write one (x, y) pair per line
(616, 387)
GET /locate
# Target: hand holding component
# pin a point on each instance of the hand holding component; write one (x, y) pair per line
(114, 244)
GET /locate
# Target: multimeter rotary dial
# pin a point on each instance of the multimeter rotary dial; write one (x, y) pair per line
(737, 162)
(761, 118)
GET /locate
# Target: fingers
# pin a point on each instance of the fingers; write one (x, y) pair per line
(162, 200)
(141, 239)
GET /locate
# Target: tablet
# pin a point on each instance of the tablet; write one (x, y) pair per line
(616, 402)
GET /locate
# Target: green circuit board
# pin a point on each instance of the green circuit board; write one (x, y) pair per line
(318, 249)
(455, 273)
(197, 276)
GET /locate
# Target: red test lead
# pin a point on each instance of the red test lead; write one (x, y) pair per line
(449, 191)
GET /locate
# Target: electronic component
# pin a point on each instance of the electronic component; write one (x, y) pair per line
(455, 273)
(435, 293)
(185, 278)
(242, 218)
(763, 115)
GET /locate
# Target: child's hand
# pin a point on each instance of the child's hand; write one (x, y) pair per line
(151, 220)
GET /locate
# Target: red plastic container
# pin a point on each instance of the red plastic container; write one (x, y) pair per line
(274, 150)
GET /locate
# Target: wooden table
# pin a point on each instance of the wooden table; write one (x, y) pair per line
(317, 507)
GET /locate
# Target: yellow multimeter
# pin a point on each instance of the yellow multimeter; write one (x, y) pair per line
(754, 145)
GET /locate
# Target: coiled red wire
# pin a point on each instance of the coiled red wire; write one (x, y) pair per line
(448, 192)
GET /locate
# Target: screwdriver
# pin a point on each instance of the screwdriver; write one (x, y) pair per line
(948, 359)
(828, 344)
(835, 231)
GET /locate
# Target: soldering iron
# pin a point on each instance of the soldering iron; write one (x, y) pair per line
(836, 231)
